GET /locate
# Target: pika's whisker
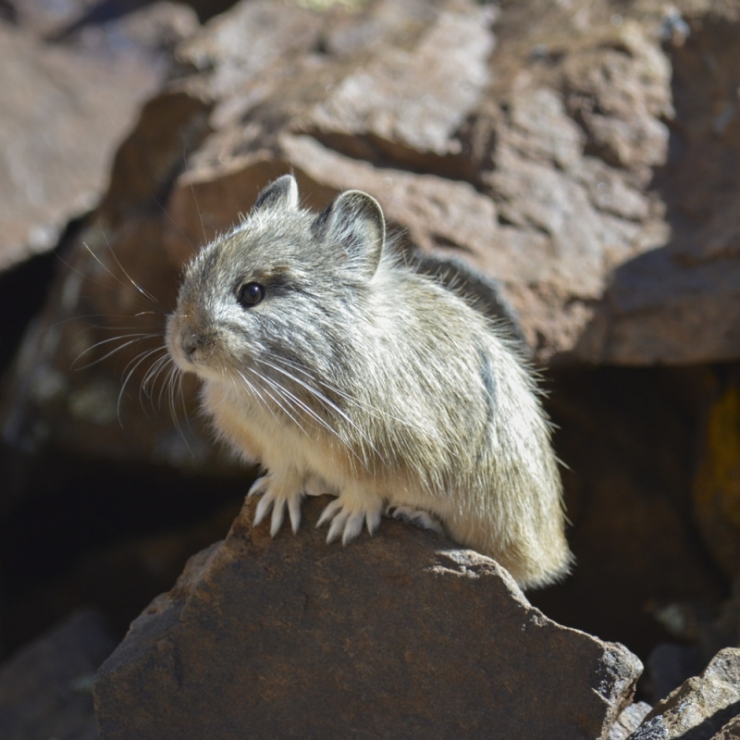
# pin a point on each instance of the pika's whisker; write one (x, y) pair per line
(276, 388)
(200, 215)
(173, 377)
(82, 274)
(133, 364)
(91, 252)
(153, 373)
(165, 383)
(133, 282)
(150, 378)
(257, 393)
(135, 338)
(372, 410)
(330, 405)
(80, 317)
(177, 226)
(294, 401)
(290, 397)
(183, 403)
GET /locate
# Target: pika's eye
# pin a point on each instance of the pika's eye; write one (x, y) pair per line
(250, 294)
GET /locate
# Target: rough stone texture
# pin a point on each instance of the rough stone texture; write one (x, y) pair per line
(583, 161)
(587, 160)
(294, 638)
(716, 489)
(410, 103)
(45, 689)
(628, 720)
(64, 109)
(529, 218)
(701, 707)
(688, 289)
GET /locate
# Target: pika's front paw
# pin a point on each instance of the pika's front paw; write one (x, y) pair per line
(276, 497)
(348, 515)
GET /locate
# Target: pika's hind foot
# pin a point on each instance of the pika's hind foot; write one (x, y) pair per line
(348, 514)
(276, 497)
(422, 519)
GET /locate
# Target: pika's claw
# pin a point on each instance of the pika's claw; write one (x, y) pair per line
(259, 486)
(276, 498)
(337, 527)
(278, 515)
(348, 515)
(352, 527)
(328, 513)
(422, 519)
(372, 521)
(294, 512)
(263, 508)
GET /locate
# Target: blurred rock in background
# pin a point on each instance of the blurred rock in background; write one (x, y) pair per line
(584, 155)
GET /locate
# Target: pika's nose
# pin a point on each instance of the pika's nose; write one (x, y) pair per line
(191, 341)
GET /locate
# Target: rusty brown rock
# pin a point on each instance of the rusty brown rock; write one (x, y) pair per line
(680, 302)
(65, 109)
(410, 103)
(294, 638)
(701, 707)
(552, 220)
(618, 92)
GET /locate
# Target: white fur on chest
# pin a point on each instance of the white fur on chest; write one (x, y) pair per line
(259, 434)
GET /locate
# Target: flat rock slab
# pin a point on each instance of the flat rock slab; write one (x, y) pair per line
(401, 635)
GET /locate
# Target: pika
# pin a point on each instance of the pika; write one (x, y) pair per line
(341, 370)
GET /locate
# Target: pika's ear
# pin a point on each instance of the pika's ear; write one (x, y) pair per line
(354, 224)
(281, 193)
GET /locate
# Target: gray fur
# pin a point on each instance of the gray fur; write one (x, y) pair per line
(374, 383)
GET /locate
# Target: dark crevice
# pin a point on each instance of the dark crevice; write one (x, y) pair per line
(77, 513)
(8, 12)
(23, 292)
